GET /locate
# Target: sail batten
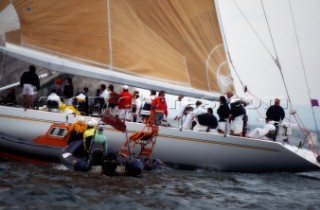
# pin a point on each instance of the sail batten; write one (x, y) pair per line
(170, 41)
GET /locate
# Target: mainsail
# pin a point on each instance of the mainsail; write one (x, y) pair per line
(174, 42)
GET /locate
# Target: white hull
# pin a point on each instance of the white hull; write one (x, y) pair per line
(182, 149)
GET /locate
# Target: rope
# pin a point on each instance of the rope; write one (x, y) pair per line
(303, 66)
(276, 59)
(230, 59)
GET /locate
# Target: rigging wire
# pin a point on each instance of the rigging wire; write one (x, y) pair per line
(244, 87)
(276, 61)
(303, 66)
(297, 118)
(281, 72)
(274, 58)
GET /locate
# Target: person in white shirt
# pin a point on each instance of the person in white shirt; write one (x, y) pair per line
(187, 124)
(53, 101)
(206, 122)
(259, 133)
(181, 105)
(104, 93)
(238, 116)
(54, 97)
(136, 106)
(146, 106)
(183, 108)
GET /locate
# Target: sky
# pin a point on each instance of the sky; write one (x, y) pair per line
(294, 30)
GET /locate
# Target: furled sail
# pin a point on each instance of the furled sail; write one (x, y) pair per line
(175, 42)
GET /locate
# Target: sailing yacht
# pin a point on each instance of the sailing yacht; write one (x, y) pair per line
(170, 45)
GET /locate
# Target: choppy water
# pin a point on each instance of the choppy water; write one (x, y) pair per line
(26, 186)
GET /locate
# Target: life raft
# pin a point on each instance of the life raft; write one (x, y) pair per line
(75, 158)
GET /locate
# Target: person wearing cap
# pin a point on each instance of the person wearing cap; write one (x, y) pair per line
(124, 103)
(29, 81)
(89, 133)
(56, 86)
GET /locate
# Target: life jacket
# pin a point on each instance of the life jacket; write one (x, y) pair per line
(87, 138)
(77, 130)
(80, 127)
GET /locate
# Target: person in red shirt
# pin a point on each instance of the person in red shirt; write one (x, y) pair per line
(159, 105)
(113, 97)
(124, 103)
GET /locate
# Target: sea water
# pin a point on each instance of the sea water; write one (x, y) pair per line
(27, 186)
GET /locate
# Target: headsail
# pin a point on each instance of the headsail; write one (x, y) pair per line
(174, 42)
